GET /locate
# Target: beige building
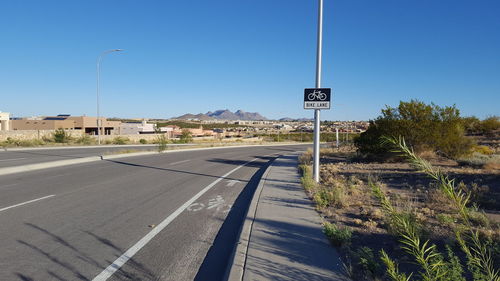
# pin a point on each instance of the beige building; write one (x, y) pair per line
(4, 121)
(67, 122)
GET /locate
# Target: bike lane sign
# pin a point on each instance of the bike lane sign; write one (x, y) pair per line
(317, 98)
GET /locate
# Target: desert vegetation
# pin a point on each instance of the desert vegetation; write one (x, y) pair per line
(422, 208)
(425, 127)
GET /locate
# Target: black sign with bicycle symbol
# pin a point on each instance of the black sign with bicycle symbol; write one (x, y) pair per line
(317, 98)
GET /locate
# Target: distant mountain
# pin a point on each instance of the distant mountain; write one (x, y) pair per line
(224, 114)
(288, 119)
(189, 116)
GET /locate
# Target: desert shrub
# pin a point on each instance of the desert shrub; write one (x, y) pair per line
(306, 157)
(143, 141)
(61, 136)
(483, 149)
(186, 136)
(445, 219)
(366, 261)
(22, 143)
(424, 127)
(479, 218)
(85, 139)
(471, 124)
(306, 178)
(321, 198)
(338, 236)
(120, 140)
(489, 125)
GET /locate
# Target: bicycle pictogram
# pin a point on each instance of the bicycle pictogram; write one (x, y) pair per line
(317, 95)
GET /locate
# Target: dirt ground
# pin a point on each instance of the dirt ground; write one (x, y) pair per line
(410, 190)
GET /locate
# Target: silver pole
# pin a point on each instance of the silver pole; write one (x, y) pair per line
(337, 136)
(98, 68)
(317, 126)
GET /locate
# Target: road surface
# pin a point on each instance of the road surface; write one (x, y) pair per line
(76, 222)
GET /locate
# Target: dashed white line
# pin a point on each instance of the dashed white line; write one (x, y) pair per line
(179, 162)
(120, 261)
(3, 160)
(27, 202)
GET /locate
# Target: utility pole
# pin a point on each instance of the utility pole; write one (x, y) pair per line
(98, 70)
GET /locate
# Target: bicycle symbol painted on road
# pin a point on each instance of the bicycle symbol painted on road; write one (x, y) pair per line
(216, 204)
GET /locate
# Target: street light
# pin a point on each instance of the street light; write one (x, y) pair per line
(97, 90)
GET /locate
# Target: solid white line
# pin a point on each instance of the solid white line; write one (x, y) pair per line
(120, 261)
(11, 159)
(27, 202)
(178, 162)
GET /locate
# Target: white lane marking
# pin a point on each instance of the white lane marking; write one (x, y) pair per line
(232, 182)
(11, 159)
(120, 261)
(179, 162)
(27, 202)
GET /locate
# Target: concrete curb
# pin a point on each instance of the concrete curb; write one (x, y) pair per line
(52, 164)
(73, 147)
(55, 164)
(238, 258)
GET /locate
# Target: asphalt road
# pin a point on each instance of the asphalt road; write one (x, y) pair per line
(18, 157)
(72, 223)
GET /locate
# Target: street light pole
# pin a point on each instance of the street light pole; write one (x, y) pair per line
(317, 126)
(98, 66)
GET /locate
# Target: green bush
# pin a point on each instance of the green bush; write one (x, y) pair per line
(445, 219)
(423, 126)
(306, 179)
(143, 141)
(61, 136)
(487, 126)
(186, 136)
(338, 236)
(367, 261)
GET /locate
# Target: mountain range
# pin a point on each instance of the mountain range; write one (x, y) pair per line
(226, 114)
(223, 114)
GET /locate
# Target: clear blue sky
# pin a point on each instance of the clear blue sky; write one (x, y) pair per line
(255, 55)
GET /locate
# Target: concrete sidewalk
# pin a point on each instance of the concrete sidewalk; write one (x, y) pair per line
(282, 237)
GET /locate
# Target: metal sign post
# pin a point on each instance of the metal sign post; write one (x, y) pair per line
(317, 127)
(317, 98)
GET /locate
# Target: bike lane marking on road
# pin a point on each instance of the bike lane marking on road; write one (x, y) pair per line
(217, 203)
(27, 202)
(120, 261)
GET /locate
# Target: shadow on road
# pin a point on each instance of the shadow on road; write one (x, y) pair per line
(253, 164)
(73, 270)
(215, 264)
